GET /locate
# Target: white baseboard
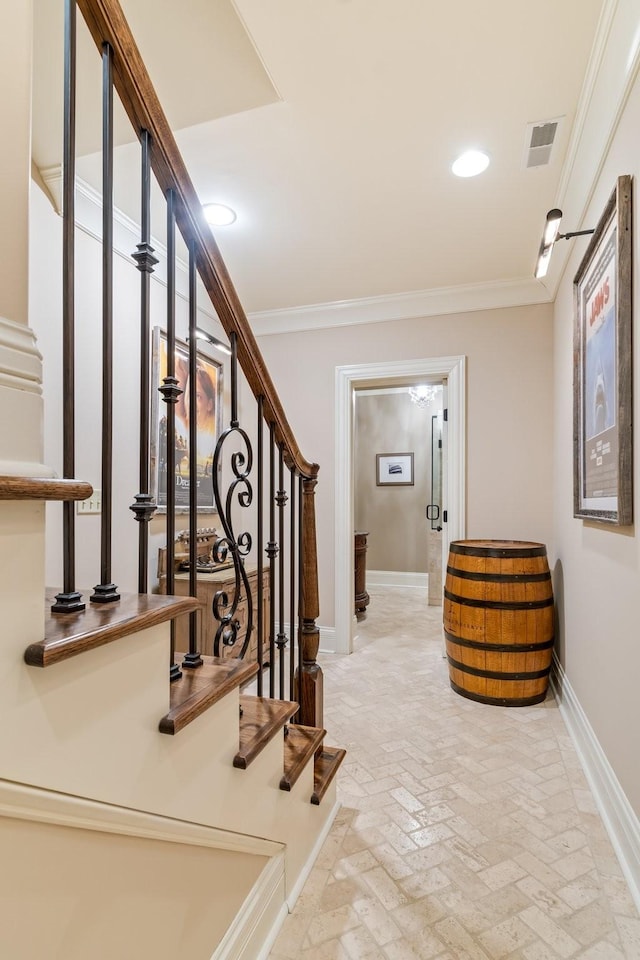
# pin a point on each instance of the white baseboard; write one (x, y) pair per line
(621, 822)
(397, 578)
(267, 944)
(327, 639)
(251, 934)
(296, 890)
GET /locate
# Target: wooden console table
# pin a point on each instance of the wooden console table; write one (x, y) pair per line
(360, 567)
(208, 584)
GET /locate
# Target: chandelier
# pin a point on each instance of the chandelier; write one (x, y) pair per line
(422, 394)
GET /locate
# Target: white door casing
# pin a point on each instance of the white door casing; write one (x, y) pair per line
(348, 380)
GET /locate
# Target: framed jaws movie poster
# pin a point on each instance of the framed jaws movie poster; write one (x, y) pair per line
(602, 382)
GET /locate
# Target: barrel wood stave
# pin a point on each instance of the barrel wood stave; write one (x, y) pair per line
(499, 621)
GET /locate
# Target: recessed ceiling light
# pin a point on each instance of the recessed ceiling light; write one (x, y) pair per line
(218, 215)
(470, 164)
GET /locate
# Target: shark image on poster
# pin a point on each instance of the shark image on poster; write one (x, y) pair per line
(599, 400)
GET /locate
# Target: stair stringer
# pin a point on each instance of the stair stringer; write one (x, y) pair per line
(89, 727)
(144, 890)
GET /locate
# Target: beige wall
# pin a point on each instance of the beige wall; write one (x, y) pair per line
(84, 894)
(394, 516)
(45, 316)
(508, 415)
(597, 567)
(15, 82)
(508, 396)
(509, 412)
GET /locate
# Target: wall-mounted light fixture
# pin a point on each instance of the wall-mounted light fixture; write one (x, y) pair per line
(549, 237)
(209, 338)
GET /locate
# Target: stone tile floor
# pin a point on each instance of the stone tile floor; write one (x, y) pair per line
(467, 832)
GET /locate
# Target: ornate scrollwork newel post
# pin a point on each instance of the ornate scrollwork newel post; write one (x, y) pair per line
(309, 681)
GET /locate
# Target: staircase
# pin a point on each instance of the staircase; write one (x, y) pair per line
(101, 729)
(98, 741)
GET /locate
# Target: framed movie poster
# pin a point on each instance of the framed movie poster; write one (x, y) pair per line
(602, 387)
(209, 419)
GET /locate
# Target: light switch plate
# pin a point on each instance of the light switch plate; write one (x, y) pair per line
(92, 504)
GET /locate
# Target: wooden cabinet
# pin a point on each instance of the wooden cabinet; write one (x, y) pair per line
(360, 572)
(208, 584)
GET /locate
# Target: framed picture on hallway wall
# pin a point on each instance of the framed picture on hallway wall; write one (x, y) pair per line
(209, 419)
(394, 469)
(602, 380)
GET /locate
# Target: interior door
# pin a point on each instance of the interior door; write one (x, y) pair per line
(436, 508)
(445, 478)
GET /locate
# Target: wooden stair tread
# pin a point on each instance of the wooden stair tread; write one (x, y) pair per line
(200, 687)
(299, 746)
(69, 634)
(43, 488)
(260, 721)
(325, 767)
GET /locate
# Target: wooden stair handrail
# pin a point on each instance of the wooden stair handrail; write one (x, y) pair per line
(43, 488)
(107, 23)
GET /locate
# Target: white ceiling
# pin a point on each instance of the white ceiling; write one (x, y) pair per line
(332, 128)
(217, 70)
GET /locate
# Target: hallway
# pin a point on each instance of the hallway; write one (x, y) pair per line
(466, 832)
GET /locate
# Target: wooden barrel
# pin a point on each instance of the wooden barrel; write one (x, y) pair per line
(499, 621)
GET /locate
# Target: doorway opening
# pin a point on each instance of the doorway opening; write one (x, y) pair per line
(350, 381)
(397, 475)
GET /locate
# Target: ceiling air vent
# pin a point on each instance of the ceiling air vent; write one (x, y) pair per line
(540, 138)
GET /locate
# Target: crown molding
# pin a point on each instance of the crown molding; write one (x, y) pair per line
(126, 233)
(612, 70)
(439, 301)
(611, 73)
(401, 306)
(610, 77)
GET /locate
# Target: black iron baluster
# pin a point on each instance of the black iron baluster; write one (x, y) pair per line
(300, 582)
(272, 553)
(281, 640)
(234, 381)
(292, 582)
(69, 600)
(170, 392)
(106, 591)
(225, 608)
(193, 658)
(260, 545)
(144, 506)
